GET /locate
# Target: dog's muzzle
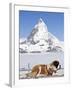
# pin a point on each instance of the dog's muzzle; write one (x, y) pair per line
(59, 66)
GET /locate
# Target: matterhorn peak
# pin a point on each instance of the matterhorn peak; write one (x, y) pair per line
(40, 20)
(39, 32)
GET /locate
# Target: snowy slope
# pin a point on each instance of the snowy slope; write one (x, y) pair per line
(40, 40)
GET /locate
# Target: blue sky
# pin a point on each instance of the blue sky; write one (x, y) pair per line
(53, 20)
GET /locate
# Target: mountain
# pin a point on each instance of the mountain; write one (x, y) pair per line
(39, 32)
(40, 40)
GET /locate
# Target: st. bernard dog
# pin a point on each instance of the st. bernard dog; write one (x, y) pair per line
(44, 70)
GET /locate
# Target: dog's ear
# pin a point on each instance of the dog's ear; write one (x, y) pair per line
(55, 63)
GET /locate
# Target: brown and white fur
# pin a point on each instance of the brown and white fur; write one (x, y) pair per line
(43, 69)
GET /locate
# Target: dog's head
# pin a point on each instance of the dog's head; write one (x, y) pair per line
(53, 67)
(56, 64)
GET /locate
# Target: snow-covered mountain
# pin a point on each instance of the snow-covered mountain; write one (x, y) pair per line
(39, 32)
(40, 40)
